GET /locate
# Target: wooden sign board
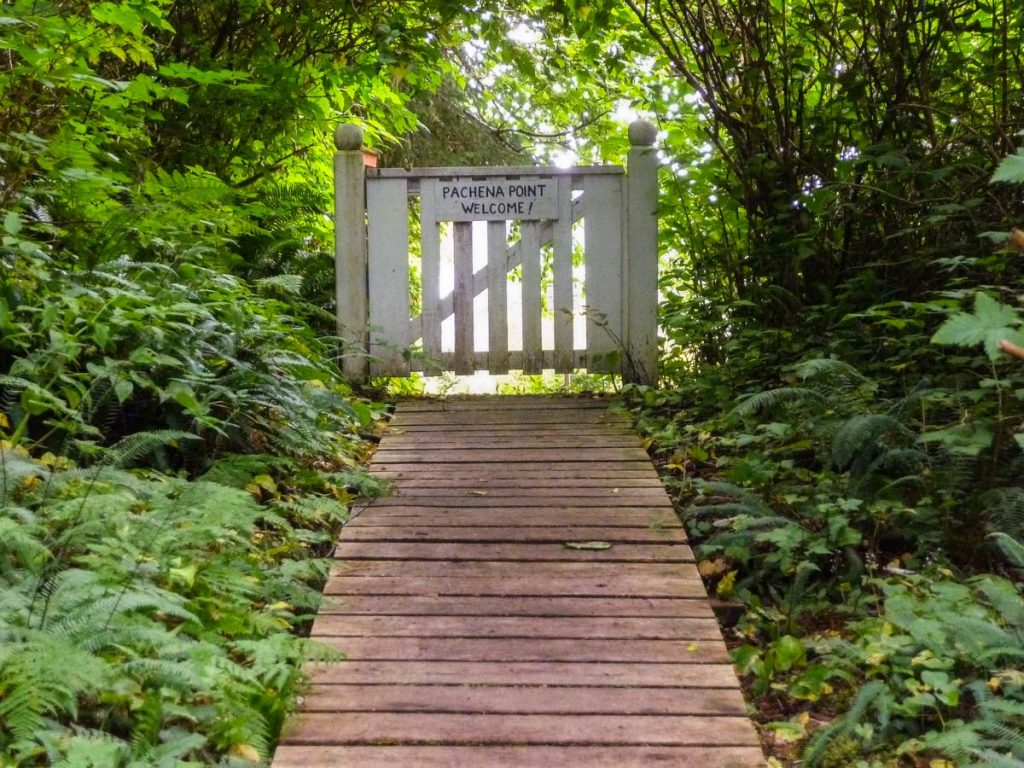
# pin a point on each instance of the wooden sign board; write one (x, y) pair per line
(497, 199)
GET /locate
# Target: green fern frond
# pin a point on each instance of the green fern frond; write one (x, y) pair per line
(771, 399)
(1006, 511)
(132, 448)
(831, 369)
(872, 692)
(861, 434)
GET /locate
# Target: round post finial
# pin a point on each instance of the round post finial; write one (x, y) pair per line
(642, 134)
(348, 137)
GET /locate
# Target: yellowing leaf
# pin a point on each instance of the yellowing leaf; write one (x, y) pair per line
(187, 575)
(4, 421)
(246, 752)
(726, 586)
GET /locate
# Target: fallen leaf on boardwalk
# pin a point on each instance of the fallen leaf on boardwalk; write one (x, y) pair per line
(692, 647)
(478, 493)
(592, 546)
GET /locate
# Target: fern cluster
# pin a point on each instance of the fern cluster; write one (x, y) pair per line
(147, 620)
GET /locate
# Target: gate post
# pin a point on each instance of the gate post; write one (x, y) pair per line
(350, 287)
(640, 270)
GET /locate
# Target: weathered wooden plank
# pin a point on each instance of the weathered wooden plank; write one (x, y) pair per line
(371, 550)
(523, 469)
(475, 729)
(477, 501)
(557, 427)
(330, 625)
(438, 570)
(626, 674)
(497, 304)
(388, 278)
(517, 757)
(430, 276)
(419, 442)
(433, 605)
(562, 279)
(624, 517)
(498, 486)
(491, 649)
(473, 456)
(620, 497)
(539, 417)
(523, 699)
(602, 236)
(526, 402)
(398, 532)
(446, 480)
(463, 297)
(529, 234)
(532, 586)
(639, 496)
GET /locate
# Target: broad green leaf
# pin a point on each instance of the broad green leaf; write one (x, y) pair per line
(123, 389)
(1011, 169)
(990, 323)
(12, 222)
(788, 652)
(992, 314)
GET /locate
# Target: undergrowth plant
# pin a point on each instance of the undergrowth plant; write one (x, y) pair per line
(151, 620)
(847, 518)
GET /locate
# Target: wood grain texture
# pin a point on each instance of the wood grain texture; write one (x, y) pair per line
(388, 276)
(474, 636)
(535, 649)
(448, 756)
(463, 297)
(497, 299)
(432, 605)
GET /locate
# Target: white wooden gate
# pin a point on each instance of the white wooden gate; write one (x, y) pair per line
(535, 223)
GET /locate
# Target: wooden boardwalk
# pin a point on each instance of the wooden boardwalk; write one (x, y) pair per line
(476, 636)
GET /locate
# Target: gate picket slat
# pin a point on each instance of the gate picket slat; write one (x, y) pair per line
(497, 297)
(388, 266)
(532, 340)
(603, 244)
(463, 298)
(430, 275)
(562, 244)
